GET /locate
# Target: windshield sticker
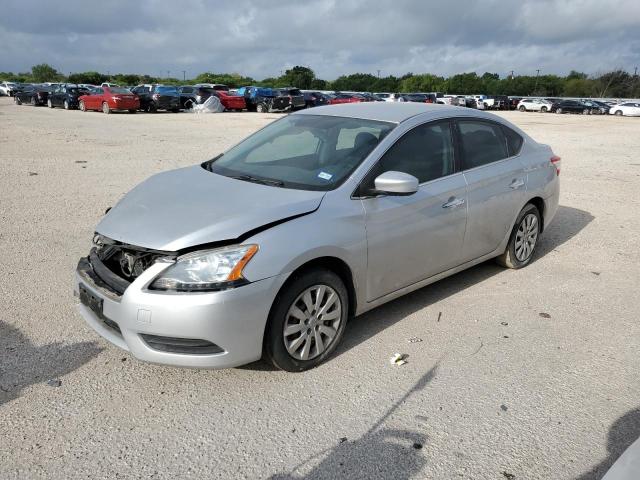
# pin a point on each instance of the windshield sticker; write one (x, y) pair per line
(325, 176)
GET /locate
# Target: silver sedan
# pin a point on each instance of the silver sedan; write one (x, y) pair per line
(268, 249)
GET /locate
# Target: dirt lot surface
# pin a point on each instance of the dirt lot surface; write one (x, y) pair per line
(529, 374)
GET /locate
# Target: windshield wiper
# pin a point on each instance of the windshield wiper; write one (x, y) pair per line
(263, 181)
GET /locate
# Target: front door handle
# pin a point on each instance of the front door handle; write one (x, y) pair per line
(517, 183)
(453, 202)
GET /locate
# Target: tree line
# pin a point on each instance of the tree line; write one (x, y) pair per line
(616, 84)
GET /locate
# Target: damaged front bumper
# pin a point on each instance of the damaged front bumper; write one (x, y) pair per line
(202, 330)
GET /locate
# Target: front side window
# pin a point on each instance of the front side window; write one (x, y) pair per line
(307, 152)
(426, 152)
(482, 143)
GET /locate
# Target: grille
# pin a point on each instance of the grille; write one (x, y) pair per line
(192, 346)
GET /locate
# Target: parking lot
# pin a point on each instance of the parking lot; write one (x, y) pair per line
(519, 374)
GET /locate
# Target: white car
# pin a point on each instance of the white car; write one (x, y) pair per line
(390, 97)
(8, 88)
(109, 85)
(628, 109)
(534, 105)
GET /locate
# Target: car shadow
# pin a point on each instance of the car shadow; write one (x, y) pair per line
(381, 453)
(24, 364)
(567, 223)
(622, 433)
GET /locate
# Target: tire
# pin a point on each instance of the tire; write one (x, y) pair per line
(133, 111)
(17, 100)
(523, 240)
(618, 113)
(261, 108)
(188, 105)
(150, 109)
(175, 110)
(105, 108)
(82, 106)
(543, 109)
(287, 352)
(65, 104)
(34, 102)
(586, 111)
(558, 110)
(49, 103)
(522, 108)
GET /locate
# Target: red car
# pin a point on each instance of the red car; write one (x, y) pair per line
(229, 101)
(108, 99)
(344, 98)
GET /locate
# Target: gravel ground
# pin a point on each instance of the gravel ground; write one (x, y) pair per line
(529, 374)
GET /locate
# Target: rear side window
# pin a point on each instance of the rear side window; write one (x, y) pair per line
(482, 142)
(514, 141)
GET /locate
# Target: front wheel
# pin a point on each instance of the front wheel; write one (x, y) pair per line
(307, 320)
(522, 108)
(49, 103)
(66, 105)
(523, 240)
(586, 111)
(82, 106)
(543, 109)
(559, 110)
(261, 108)
(17, 100)
(105, 108)
(618, 113)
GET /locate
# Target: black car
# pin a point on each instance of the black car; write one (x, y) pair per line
(571, 106)
(33, 94)
(65, 96)
(315, 99)
(296, 97)
(193, 95)
(158, 97)
(500, 102)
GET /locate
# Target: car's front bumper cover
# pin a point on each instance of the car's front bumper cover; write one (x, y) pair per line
(232, 319)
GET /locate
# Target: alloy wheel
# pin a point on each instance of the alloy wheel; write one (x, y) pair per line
(526, 237)
(312, 322)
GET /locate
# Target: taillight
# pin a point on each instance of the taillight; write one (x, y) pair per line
(555, 161)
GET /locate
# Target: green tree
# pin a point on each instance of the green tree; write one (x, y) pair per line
(45, 73)
(356, 82)
(300, 77)
(92, 78)
(421, 83)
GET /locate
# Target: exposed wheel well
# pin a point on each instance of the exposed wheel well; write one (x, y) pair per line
(539, 204)
(338, 267)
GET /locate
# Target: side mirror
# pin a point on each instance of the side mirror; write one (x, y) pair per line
(396, 183)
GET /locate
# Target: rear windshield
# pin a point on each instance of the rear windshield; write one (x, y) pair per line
(166, 90)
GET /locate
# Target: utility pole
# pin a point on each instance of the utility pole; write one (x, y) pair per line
(184, 75)
(168, 73)
(378, 73)
(511, 77)
(535, 88)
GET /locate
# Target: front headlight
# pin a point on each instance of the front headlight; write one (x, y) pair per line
(207, 270)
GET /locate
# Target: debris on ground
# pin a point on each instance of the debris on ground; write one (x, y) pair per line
(505, 336)
(414, 340)
(439, 315)
(398, 359)
(54, 382)
(504, 324)
(343, 439)
(544, 315)
(596, 273)
(504, 408)
(81, 161)
(123, 359)
(508, 476)
(417, 446)
(31, 174)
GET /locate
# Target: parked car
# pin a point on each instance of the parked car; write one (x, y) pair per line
(230, 101)
(500, 102)
(628, 109)
(109, 85)
(315, 99)
(8, 88)
(154, 97)
(33, 94)
(260, 99)
(197, 267)
(215, 86)
(571, 106)
(66, 96)
(596, 107)
(191, 95)
(604, 108)
(534, 105)
(109, 99)
(339, 98)
(295, 97)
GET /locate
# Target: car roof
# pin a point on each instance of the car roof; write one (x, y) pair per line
(394, 112)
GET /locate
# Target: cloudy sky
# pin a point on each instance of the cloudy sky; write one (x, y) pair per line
(334, 37)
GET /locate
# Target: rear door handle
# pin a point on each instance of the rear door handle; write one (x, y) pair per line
(517, 183)
(453, 202)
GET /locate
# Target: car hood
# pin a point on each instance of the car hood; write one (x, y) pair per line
(191, 206)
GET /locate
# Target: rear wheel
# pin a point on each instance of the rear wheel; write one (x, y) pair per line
(105, 108)
(175, 110)
(261, 108)
(522, 108)
(618, 113)
(586, 111)
(543, 109)
(307, 320)
(66, 105)
(82, 106)
(188, 105)
(151, 109)
(559, 110)
(17, 100)
(49, 103)
(523, 240)
(34, 102)
(132, 111)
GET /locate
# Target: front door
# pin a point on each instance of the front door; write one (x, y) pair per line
(411, 238)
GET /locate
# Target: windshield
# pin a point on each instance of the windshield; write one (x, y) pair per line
(307, 152)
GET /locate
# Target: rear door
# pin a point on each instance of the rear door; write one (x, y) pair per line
(410, 238)
(496, 185)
